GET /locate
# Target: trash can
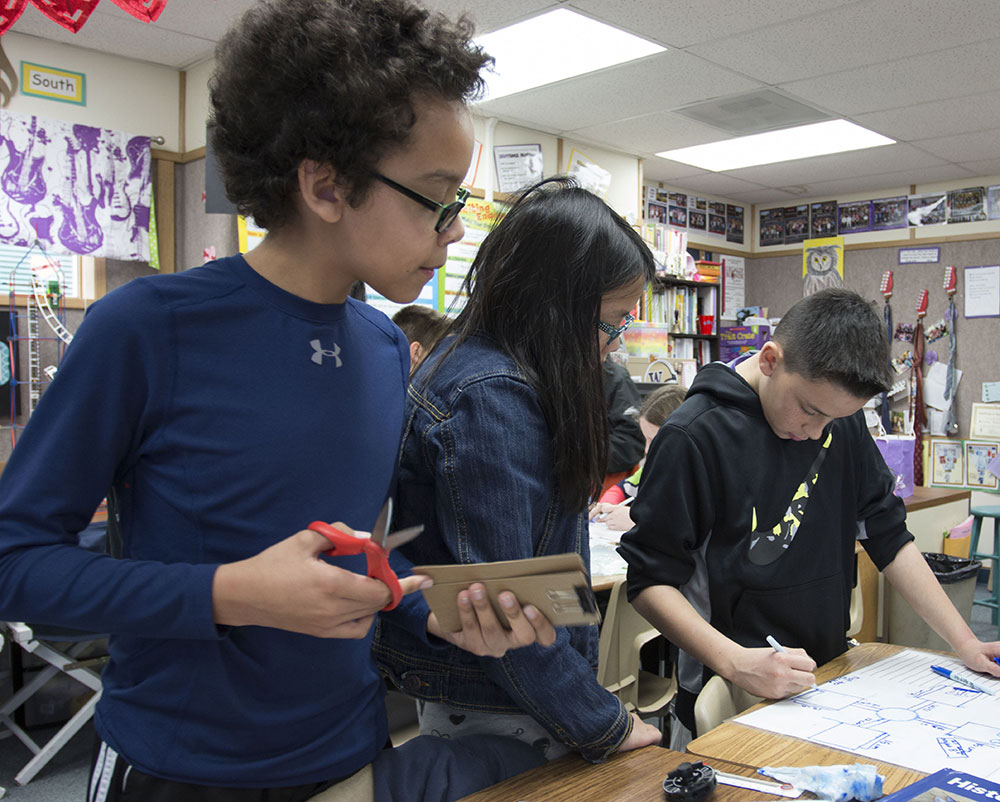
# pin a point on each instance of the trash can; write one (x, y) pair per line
(957, 576)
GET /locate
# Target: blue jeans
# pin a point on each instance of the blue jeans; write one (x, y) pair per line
(424, 769)
(432, 769)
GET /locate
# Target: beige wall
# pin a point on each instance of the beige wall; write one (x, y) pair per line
(122, 94)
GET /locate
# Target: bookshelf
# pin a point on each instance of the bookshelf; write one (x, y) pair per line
(686, 312)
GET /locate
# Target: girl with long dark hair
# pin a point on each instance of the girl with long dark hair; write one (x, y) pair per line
(505, 444)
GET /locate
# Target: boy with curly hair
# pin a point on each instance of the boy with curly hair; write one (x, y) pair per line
(230, 405)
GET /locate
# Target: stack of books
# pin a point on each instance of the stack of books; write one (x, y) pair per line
(707, 271)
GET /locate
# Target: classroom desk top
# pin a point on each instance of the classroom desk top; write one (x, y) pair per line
(600, 583)
(933, 496)
(753, 747)
(635, 776)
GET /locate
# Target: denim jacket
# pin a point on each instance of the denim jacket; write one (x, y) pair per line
(476, 470)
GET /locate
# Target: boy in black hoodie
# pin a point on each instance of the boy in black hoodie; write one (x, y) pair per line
(752, 497)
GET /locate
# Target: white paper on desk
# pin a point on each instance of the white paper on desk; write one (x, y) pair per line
(898, 711)
(604, 559)
(934, 383)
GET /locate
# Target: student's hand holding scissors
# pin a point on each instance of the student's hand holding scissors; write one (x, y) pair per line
(483, 634)
(288, 586)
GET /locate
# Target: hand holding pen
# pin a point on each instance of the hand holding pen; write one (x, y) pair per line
(772, 641)
(615, 516)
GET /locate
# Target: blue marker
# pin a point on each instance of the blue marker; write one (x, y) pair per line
(944, 672)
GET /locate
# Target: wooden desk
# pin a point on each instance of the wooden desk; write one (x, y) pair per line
(604, 583)
(925, 497)
(635, 776)
(753, 748)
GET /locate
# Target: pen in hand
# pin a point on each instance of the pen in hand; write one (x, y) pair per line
(781, 649)
(604, 515)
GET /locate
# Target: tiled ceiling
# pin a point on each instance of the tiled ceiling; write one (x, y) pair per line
(920, 71)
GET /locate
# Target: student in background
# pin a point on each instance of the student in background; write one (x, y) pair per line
(240, 664)
(505, 442)
(753, 495)
(625, 446)
(653, 413)
(423, 327)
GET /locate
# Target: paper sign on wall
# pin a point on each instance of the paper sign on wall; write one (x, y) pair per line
(517, 166)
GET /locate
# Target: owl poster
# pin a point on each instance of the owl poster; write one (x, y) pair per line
(822, 264)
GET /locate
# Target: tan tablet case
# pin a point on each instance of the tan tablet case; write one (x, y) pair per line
(556, 584)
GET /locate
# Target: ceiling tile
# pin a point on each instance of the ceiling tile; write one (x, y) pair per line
(656, 169)
(889, 158)
(133, 39)
(662, 81)
(721, 184)
(905, 82)
(987, 167)
(651, 133)
(489, 16)
(935, 119)
(686, 22)
(887, 184)
(975, 146)
(863, 33)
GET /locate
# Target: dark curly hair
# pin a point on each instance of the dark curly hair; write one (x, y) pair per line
(332, 81)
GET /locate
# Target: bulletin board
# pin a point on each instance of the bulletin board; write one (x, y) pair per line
(776, 282)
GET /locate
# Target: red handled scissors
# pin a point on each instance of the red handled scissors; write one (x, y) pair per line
(376, 548)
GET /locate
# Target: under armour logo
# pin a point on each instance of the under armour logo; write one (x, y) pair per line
(319, 352)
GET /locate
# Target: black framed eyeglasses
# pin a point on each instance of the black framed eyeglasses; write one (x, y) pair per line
(447, 212)
(613, 332)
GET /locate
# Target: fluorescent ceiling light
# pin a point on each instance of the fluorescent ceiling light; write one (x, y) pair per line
(553, 47)
(801, 142)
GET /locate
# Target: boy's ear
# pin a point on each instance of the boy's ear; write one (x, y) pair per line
(416, 353)
(320, 191)
(770, 357)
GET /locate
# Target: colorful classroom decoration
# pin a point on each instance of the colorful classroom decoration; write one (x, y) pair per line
(822, 264)
(73, 14)
(75, 188)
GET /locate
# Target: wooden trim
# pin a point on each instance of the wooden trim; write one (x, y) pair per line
(640, 169)
(178, 158)
(182, 111)
(165, 214)
(898, 243)
(100, 277)
(21, 302)
(194, 155)
(498, 197)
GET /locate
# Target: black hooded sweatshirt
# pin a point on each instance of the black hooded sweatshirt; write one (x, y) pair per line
(758, 532)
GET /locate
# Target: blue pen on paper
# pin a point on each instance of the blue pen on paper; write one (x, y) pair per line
(779, 648)
(968, 683)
